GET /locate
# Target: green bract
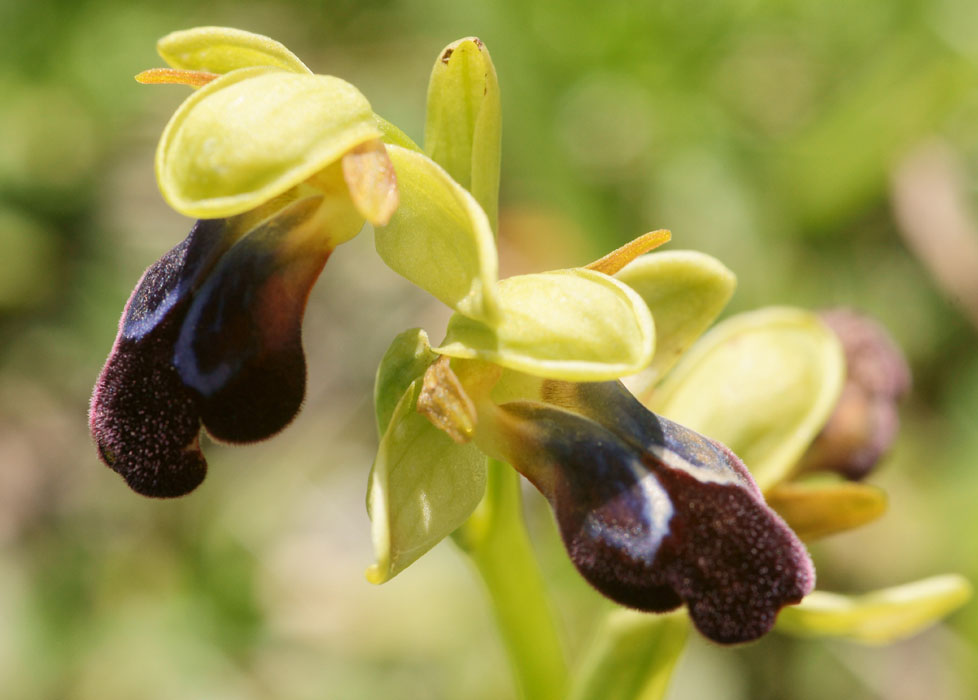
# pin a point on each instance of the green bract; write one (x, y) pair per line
(254, 133)
(762, 383)
(439, 238)
(569, 324)
(632, 657)
(222, 50)
(422, 485)
(406, 359)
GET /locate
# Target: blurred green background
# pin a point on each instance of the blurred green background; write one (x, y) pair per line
(827, 152)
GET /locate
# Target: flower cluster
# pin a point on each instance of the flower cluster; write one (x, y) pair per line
(280, 166)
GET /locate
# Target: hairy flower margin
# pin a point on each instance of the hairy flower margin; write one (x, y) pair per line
(281, 165)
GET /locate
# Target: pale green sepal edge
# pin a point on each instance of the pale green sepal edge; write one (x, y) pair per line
(422, 487)
(224, 49)
(576, 325)
(632, 658)
(439, 238)
(463, 123)
(879, 617)
(763, 383)
(685, 290)
(393, 136)
(219, 155)
(407, 358)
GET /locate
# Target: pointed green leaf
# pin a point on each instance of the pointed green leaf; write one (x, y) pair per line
(762, 383)
(685, 291)
(407, 358)
(254, 133)
(439, 238)
(819, 509)
(422, 487)
(632, 658)
(222, 50)
(463, 122)
(879, 617)
(577, 325)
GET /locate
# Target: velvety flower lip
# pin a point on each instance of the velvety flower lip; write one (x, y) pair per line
(240, 346)
(654, 515)
(144, 420)
(210, 336)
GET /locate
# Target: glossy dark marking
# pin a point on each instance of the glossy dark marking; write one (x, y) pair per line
(174, 276)
(240, 346)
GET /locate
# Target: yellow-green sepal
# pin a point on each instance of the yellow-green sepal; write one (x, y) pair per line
(254, 133)
(422, 487)
(223, 49)
(763, 383)
(632, 657)
(463, 121)
(880, 617)
(577, 325)
(439, 238)
(686, 291)
(821, 508)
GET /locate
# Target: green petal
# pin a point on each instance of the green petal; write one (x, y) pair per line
(407, 358)
(576, 325)
(685, 291)
(463, 122)
(222, 50)
(762, 383)
(422, 487)
(632, 658)
(439, 238)
(254, 133)
(879, 617)
(819, 509)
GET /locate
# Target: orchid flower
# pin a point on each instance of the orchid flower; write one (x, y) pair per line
(675, 464)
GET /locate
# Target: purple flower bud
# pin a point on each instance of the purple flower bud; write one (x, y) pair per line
(865, 422)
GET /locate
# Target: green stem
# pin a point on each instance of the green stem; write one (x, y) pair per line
(497, 542)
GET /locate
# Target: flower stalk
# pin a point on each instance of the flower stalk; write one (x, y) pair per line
(496, 541)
